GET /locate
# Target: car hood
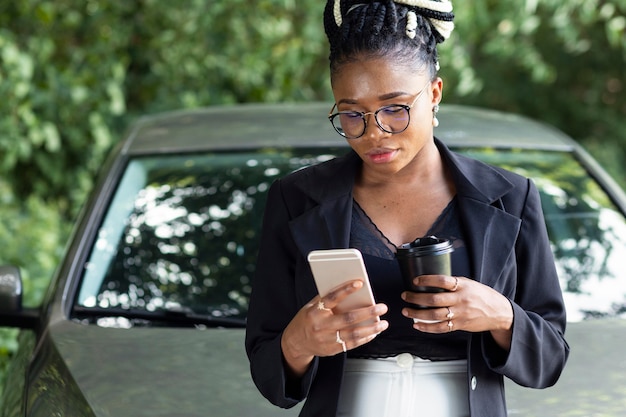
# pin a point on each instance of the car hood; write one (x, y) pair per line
(593, 382)
(86, 370)
(146, 372)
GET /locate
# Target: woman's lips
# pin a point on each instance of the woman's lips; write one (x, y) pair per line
(381, 156)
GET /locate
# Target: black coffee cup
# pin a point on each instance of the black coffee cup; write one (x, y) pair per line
(428, 255)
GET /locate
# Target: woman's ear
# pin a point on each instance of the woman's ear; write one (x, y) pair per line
(436, 91)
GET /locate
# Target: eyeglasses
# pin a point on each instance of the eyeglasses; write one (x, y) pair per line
(394, 118)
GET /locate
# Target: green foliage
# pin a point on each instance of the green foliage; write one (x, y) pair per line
(31, 236)
(8, 346)
(226, 52)
(561, 62)
(63, 78)
(74, 71)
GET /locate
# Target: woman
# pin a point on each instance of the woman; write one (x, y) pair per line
(502, 313)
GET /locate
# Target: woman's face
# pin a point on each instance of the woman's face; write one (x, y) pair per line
(367, 85)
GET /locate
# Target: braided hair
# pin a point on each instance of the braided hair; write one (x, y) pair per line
(406, 30)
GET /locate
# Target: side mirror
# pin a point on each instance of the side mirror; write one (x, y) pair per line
(10, 289)
(11, 292)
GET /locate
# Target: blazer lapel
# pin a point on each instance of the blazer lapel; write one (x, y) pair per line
(490, 235)
(327, 224)
(490, 232)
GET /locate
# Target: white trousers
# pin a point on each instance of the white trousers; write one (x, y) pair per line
(404, 386)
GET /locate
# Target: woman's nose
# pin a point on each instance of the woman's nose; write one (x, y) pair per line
(372, 127)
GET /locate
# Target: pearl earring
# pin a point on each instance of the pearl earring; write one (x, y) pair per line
(435, 111)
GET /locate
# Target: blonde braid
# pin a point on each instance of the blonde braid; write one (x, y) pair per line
(444, 27)
(337, 12)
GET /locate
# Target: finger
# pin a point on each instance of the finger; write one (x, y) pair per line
(338, 294)
(427, 316)
(358, 335)
(369, 315)
(445, 282)
(427, 299)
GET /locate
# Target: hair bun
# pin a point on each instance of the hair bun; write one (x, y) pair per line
(438, 12)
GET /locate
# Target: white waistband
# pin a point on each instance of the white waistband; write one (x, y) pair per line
(404, 362)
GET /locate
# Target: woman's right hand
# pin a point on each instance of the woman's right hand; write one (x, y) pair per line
(317, 331)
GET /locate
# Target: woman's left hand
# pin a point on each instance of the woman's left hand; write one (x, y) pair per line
(464, 305)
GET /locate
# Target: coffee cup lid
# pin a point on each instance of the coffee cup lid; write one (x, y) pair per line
(425, 246)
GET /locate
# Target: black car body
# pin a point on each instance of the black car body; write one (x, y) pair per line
(145, 314)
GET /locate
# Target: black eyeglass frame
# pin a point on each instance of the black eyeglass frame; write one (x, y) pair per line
(406, 107)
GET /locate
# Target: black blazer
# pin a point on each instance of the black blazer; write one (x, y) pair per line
(508, 247)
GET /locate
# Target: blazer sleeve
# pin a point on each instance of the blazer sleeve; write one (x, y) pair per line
(538, 350)
(273, 303)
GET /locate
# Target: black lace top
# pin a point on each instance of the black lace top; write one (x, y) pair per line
(384, 274)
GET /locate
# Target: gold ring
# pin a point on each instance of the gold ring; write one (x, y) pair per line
(456, 284)
(341, 342)
(450, 314)
(321, 306)
(450, 325)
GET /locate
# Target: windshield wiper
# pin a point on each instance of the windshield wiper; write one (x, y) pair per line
(175, 316)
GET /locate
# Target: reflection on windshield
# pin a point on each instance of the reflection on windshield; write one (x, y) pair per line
(587, 232)
(181, 232)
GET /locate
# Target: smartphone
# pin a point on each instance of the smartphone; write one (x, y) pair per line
(332, 267)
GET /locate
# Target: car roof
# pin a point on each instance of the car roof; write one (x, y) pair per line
(249, 126)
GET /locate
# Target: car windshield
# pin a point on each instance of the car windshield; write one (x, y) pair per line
(181, 232)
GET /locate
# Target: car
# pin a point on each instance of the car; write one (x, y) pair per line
(145, 315)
